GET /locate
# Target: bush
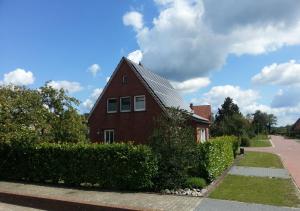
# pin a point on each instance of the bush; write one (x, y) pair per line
(215, 156)
(233, 139)
(195, 182)
(245, 141)
(173, 143)
(114, 166)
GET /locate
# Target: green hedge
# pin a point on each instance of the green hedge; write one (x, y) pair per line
(116, 166)
(214, 156)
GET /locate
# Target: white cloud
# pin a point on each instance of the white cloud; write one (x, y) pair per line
(191, 85)
(188, 39)
(107, 79)
(68, 86)
(247, 101)
(18, 77)
(94, 69)
(89, 103)
(216, 95)
(134, 19)
(279, 74)
(135, 56)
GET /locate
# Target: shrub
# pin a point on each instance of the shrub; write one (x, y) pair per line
(195, 182)
(245, 141)
(173, 143)
(215, 156)
(114, 166)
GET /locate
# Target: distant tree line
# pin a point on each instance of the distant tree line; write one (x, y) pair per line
(230, 121)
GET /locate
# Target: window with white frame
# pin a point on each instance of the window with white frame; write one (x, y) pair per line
(139, 103)
(111, 105)
(203, 135)
(109, 136)
(125, 105)
(124, 79)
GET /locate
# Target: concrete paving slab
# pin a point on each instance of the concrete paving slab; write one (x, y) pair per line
(224, 205)
(259, 172)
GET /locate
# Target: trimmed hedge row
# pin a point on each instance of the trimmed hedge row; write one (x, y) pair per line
(215, 156)
(114, 166)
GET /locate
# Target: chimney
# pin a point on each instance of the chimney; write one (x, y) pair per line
(191, 106)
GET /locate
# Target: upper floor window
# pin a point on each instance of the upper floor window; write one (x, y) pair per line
(111, 105)
(125, 104)
(139, 103)
(124, 79)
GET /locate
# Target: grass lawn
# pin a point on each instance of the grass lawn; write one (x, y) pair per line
(260, 141)
(261, 190)
(260, 159)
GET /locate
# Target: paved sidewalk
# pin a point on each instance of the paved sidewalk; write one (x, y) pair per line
(259, 172)
(224, 205)
(11, 207)
(137, 201)
(289, 152)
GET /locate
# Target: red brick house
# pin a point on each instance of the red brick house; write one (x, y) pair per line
(129, 103)
(296, 126)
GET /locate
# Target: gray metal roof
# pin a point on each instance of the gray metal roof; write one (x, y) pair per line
(162, 89)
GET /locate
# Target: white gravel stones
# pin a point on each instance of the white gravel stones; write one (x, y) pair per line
(186, 192)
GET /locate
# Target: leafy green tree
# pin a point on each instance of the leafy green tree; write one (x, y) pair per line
(260, 121)
(173, 142)
(39, 115)
(65, 123)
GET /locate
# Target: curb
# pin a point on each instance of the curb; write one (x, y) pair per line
(50, 203)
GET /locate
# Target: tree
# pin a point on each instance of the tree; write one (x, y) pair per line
(66, 124)
(272, 121)
(39, 115)
(263, 122)
(229, 120)
(172, 142)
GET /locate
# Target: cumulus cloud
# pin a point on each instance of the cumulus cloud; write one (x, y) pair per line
(216, 95)
(18, 77)
(89, 103)
(135, 56)
(94, 69)
(279, 74)
(188, 39)
(134, 19)
(247, 100)
(191, 85)
(68, 86)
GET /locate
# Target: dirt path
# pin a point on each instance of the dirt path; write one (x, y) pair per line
(288, 150)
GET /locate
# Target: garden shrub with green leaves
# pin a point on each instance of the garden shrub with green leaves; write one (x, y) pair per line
(173, 143)
(114, 166)
(215, 156)
(195, 182)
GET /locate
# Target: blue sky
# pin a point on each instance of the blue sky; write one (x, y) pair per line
(207, 49)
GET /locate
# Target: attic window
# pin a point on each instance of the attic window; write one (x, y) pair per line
(124, 79)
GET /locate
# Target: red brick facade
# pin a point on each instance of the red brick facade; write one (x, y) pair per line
(135, 126)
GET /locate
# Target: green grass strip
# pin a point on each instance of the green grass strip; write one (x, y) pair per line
(260, 159)
(261, 190)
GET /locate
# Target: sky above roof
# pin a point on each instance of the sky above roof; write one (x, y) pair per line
(208, 49)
